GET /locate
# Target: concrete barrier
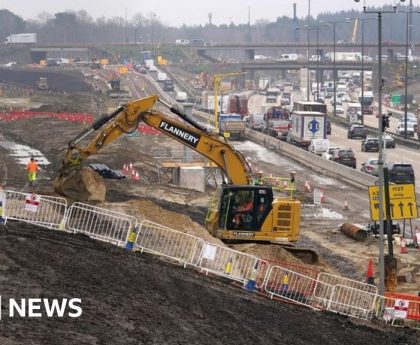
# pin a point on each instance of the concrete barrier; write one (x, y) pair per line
(317, 163)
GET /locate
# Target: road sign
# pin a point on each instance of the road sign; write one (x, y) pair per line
(402, 199)
(396, 99)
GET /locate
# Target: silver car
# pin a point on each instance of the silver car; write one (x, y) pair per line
(370, 166)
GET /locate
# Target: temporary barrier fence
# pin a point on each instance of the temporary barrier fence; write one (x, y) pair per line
(73, 117)
(352, 302)
(42, 210)
(399, 309)
(228, 263)
(326, 283)
(262, 279)
(295, 284)
(99, 223)
(291, 286)
(161, 240)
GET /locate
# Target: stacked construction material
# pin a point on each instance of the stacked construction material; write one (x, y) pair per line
(106, 172)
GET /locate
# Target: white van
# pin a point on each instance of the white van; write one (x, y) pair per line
(161, 76)
(288, 57)
(319, 146)
(181, 96)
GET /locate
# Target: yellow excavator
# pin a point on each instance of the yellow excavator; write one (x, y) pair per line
(268, 218)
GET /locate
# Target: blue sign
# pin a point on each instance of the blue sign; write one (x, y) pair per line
(313, 126)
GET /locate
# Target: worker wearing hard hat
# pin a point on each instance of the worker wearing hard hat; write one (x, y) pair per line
(32, 168)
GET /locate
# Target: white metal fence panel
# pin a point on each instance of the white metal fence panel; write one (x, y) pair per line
(326, 283)
(99, 223)
(158, 239)
(398, 310)
(229, 263)
(292, 286)
(48, 213)
(352, 302)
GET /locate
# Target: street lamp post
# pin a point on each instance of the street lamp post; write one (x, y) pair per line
(407, 41)
(363, 70)
(381, 168)
(309, 27)
(318, 56)
(363, 64)
(333, 23)
(335, 76)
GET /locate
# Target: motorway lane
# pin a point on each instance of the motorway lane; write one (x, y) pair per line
(338, 137)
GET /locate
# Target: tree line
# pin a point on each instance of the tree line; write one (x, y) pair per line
(80, 27)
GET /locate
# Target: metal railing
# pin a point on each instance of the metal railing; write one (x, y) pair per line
(229, 263)
(163, 241)
(49, 212)
(99, 223)
(300, 285)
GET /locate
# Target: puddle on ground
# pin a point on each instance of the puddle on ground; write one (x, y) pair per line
(324, 213)
(23, 153)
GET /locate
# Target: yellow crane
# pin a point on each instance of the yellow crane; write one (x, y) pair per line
(217, 78)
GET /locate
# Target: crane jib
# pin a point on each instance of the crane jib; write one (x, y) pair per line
(191, 139)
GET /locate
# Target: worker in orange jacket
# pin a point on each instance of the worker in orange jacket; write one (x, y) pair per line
(32, 168)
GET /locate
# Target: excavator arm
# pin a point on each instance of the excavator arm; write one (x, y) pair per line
(125, 119)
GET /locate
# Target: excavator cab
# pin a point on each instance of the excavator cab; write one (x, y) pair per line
(244, 207)
(270, 219)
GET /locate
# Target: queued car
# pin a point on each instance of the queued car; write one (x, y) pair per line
(327, 155)
(370, 166)
(370, 144)
(356, 131)
(401, 173)
(345, 98)
(339, 109)
(389, 141)
(345, 157)
(410, 129)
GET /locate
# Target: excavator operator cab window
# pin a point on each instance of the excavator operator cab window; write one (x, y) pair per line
(244, 208)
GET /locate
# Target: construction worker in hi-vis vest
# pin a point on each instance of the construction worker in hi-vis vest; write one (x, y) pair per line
(32, 168)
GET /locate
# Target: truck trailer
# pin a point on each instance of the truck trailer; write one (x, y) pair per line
(306, 126)
(21, 38)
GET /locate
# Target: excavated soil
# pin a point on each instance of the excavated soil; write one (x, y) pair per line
(137, 299)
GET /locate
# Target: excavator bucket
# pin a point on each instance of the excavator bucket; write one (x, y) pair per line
(81, 185)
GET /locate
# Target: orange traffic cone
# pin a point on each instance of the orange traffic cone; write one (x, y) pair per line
(403, 248)
(125, 169)
(285, 185)
(136, 176)
(346, 204)
(307, 187)
(370, 279)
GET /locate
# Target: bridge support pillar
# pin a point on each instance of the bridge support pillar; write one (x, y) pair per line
(283, 74)
(250, 54)
(390, 55)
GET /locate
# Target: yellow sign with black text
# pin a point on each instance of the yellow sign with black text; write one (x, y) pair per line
(402, 199)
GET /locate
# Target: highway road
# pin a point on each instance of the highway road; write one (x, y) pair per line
(338, 138)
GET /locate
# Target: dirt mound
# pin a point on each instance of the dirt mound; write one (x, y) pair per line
(147, 209)
(136, 299)
(57, 80)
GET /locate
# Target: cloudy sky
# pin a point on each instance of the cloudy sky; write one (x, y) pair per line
(190, 12)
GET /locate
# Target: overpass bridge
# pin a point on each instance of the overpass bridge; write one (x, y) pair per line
(249, 49)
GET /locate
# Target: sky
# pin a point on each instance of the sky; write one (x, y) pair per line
(189, 12)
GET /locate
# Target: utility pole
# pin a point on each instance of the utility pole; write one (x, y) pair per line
(383, 189)
(126, 26)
